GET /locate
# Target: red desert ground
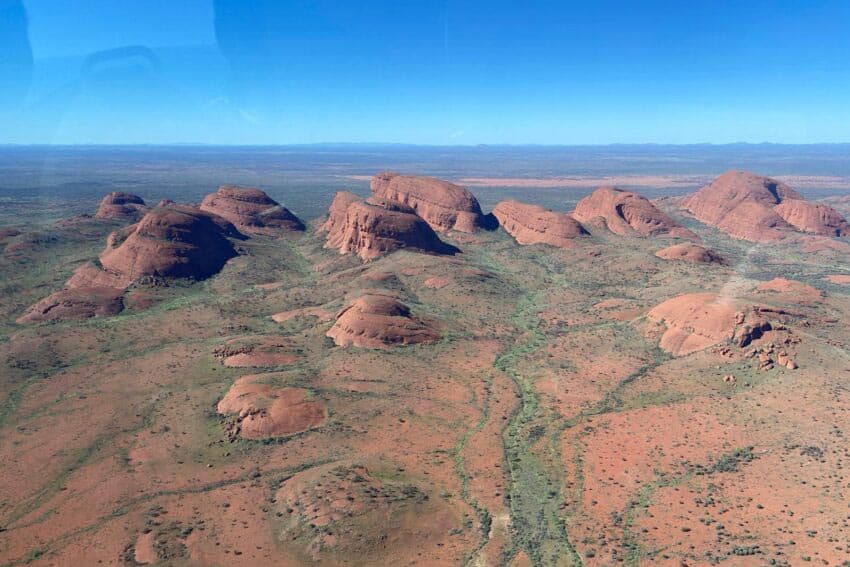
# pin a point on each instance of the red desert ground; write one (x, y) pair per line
(413, 380)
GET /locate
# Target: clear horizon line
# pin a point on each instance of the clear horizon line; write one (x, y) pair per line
(411, 144)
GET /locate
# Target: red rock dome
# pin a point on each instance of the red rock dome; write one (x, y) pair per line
(445, 206)
(532, 224)
(379, 321)
(251, 210)
(627, 213)
(377, 226)
(761, 209)
(121, 206)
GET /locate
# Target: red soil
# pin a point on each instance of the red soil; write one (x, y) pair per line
(445, 206)
(627, 214)
(437, 282)
(322, 315)
(251, 210)
(532, 224)
(838, 278)
(379, 321)
(265, 411)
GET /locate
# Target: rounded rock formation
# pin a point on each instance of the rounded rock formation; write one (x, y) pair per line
(760, 209)
(173, 242)
(814, 218)
(347, 509)
(793, 291)
(121, 206)
(688, 252)
(264, 411)
(627, 214)
(443, 205)
(256, 352)
(379, 321)
(251, 210)
(697, 321)
(377, 226)
(77, 303)
(532, 224)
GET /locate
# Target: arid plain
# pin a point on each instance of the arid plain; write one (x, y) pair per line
(409, 377)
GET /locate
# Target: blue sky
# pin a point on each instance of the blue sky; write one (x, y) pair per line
(432, 72)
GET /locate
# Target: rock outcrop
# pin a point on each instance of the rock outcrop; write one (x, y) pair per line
(760, 209)
(336, 223)
(256, 352)
(251, 210)
(264, 411)
(445, 206)
(77, 303)
(121, 206)
(173, 242)
(377, 226)
(379, 321)
(814, 218)
(627, 214)
(532, 224)
(689, 252)
(697, 321)
(791, 291)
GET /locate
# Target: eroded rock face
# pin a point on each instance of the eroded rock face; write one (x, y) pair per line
(628, 214)
(689, 252)
(251, 210)
(697, 321)
(121, 206)
(760, 209)
(532, 224)
(445, 206)
(264, 411)
(80, 303)
(377, 226)
(379, 321)
(173, 242)
(336, 222)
